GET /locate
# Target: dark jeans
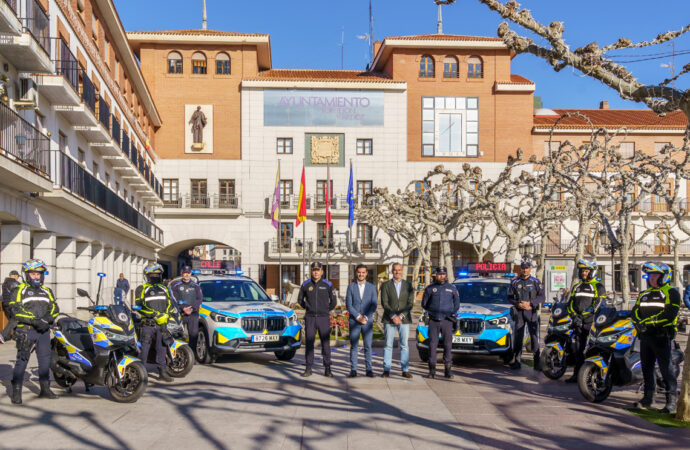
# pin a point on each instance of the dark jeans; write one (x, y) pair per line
(151, 335)
(322, 324)
(445, 327)
(519, 337)
(25, 344)
(657, 348)
(579, 344)
(367, 332)
(192, 322)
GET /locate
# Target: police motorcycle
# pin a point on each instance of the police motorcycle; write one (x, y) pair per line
(559, 345)
(612, 356)
(99, 351)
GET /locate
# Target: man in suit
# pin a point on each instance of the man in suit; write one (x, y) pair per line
(361, 303)
(397, 299)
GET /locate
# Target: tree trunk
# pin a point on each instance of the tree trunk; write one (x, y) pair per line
(415, 271)
(447, 257)
(676, 267)
(511, 252)
(683, 412)
(541, 269)
(582, 233)
(625, 260)
(405, 262)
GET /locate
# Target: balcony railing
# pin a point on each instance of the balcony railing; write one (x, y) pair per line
(77, 180)
(37, 23)
(12, 4)
(115, 131)
(66, 63)
(336, 247)
(88, 92)
(222, 201)
(125, 144)
(104, 113)
(23, 141)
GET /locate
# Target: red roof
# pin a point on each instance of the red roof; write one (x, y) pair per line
(197, 32)
(631, 118)
(323, 75)
(517, 79)
(444, 37)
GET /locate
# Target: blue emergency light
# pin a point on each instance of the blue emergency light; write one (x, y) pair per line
(101, 274)
(196, 272)
(511, 275)
(463, 274)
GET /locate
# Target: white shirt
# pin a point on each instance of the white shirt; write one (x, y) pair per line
(361, 287)
(398, 286)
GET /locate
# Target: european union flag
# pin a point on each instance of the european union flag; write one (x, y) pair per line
(350, 201)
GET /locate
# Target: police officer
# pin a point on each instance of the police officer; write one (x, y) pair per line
(526, 294)
(156, 307)
(584, 297)
(655, 316)
(34, 308)
(441, 301)
(188, 294)
(317, 297)
(8, 286)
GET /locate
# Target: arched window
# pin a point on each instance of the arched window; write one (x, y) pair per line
(199, 63)
(174, 62)
(475, 67)
(450, 67)
(222, 64)
(426, 67)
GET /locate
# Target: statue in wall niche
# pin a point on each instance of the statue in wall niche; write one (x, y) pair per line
(198, 122)
(325, 149)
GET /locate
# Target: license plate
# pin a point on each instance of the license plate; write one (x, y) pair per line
(463, 340)
(265, 338)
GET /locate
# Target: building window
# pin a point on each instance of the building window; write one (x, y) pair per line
(365, 146)
(324, 237)
(285, 188)
(450, 67)
(662, 241)
(106, 52)
(222, 64)
(321, 193)
(107, 179)
(117, 187)
(365, 236)
(95, 168)
(94, 28)
(63, 142)
(364, 188)
(124, 194)
(627, 149)
(117, 71)
(450, 126)
(171, 192)
(199, 193)
(199, 63)
(226, 193)
(284, 146)
(286, 234)
(426, 67)
(420, 188)
(633, 278)
(475, 67)
(174, 62)
(659, 146)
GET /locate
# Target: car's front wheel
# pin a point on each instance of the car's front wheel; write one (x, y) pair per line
(423, 354)
(203, 347)
(286, 355)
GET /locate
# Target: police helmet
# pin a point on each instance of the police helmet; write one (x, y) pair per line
(591, 265)
(153, 272)
(186, 269)
(658, 267)
(36, 266)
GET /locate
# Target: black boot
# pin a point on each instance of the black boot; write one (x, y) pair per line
(45, 391)
(164, 376)
(671, 404)
(537, 362)
(16, 393)
(327, 372)
(431, 374)
(307, 372)
(447, 373)
(646, 401)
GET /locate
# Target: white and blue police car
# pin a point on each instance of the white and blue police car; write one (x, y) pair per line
(237, 316)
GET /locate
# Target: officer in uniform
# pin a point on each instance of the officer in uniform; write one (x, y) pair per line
(317, 297)
(441, 301)
(584, 298)
(655, 316)
(526, 293)
(153, 297)
(34, 308)
(188, 294)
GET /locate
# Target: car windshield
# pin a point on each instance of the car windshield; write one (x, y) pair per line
(232, 291)
(483, 292)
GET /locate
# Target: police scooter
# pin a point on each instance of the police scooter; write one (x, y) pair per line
(99, 351)
(558, 348)
(613, 356)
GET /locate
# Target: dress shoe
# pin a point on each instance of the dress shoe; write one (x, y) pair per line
(431, 375)
(406, 375)
(353, 374)
(386, 374)
(164, 376)
(327, 372)
(306, 373)
(370, 374)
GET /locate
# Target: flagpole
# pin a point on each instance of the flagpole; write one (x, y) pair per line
(327, 227)
(349, 226)
(280, 247)
(304, 227)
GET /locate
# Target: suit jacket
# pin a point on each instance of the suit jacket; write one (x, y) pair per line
(357, 305)
(394, 305)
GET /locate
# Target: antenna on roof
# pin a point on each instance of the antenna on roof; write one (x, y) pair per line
(203, 17)
(439, 23)
(371, 34)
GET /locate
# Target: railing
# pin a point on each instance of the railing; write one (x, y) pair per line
(650, 205)
(115, 131)
(125, 144)
(37, 23)
(367, 246)
(224, 201)
(12, 4)
(24, 141)
(88, 92)
(104, 113)
(66, 63)
(77, 180)
(337, 246)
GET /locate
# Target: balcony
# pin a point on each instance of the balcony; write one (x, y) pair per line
(201, 205)
(61, 88)
(336, 249)
(87, 192)
(28, 48)
(25, 151)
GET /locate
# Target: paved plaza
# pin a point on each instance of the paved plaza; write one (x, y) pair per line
(257, 402)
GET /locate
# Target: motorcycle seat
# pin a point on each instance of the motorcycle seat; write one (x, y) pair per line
(77, 332)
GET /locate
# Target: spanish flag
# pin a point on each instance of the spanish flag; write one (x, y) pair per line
(302, 202)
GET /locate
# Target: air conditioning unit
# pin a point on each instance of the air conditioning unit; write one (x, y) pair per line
(28, 94)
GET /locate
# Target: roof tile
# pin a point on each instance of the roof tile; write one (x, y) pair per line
(631, 118)
(323, 75)
(196, 32)
(444, 37)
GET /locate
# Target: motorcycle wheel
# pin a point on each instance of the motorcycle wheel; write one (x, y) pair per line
(183, 362)
(132, 385)
(203, 347)
(591, 385)
(552, 365)
(286, 355)
(63, 381)
(423, 354)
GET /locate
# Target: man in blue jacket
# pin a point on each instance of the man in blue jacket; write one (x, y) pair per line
(441, 301)
(526, 294)
(361, 303)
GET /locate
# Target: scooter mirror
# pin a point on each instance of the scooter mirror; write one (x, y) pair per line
(82, 293)
(136, 308)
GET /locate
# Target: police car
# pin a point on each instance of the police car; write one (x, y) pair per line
(237, 316)
(485, 325)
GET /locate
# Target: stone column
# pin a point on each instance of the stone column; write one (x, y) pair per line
(344, 282)
(110, 277)
(66, 291)
(82, 271)
(117, 269)
(44, 244)
(15, 248)
(96, 266)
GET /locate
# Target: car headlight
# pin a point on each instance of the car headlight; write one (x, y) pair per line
(220, 318)
(293, 320)
(499, 320)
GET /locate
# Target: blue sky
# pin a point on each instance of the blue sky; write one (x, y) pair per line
(307, 33)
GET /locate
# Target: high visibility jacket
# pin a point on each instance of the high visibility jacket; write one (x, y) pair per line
(154, 300)
(584, 297)
(29, 303)
(657, 307)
